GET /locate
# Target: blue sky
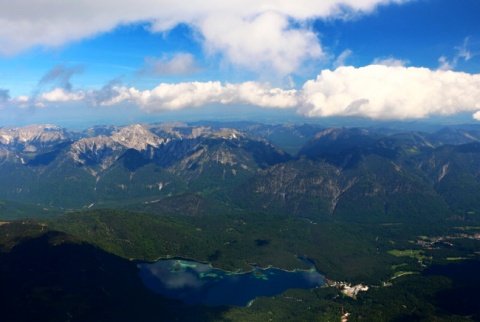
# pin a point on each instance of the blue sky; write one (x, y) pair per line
(96, 62)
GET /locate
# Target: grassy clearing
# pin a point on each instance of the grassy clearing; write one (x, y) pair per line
(395, 267)
(418, 254)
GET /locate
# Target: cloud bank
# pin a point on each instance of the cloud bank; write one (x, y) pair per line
(382, 92)
(273, 34)
(170, 97)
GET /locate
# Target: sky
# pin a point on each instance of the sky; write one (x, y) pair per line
(91, 62)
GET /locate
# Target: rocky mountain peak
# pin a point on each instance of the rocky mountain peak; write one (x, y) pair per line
(137, 137)
(32, 137)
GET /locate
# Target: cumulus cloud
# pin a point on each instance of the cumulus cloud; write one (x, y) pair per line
(179, 64)
(261, 43)
(390, 92)
(197, 94)
(177, 96)
(261, 94)
(61, 95)
(255, 35)
(476, 116)
(383, 92)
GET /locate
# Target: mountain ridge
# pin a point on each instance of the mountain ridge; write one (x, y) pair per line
(355, 173)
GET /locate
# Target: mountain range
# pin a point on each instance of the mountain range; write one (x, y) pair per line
(364, 174)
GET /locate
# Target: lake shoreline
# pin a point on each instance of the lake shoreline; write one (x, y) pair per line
(199, 283)
(254, 266)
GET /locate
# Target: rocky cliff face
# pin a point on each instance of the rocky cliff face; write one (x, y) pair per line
(101, 150)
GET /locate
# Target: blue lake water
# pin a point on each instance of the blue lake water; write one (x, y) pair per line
(199, 283)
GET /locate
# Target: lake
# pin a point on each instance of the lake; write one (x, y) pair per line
(200, 283)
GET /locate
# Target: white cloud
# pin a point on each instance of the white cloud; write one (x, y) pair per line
(261, 43)
(60, 95)
(391, 62)
(385, 92)
(476, 116)
(261, 94)
(172, 96)
(22, 99)
(375, 91)
(197, 94)
(179, 64)
(248, 33)
(21, 102)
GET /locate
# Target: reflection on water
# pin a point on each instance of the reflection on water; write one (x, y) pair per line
(198, 283)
